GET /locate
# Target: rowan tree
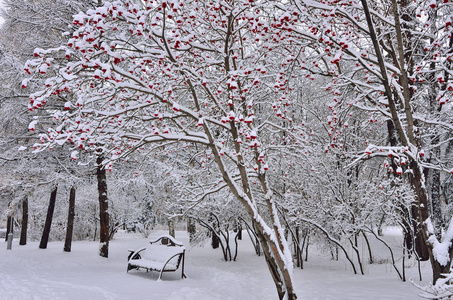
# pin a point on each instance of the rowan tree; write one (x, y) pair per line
(144, 76)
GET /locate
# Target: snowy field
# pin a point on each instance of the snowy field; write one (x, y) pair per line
(27, 272)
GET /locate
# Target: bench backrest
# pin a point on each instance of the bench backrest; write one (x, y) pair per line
(166, 240)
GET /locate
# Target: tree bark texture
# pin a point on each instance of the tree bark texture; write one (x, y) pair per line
(47, 225)
(274, 263)
(103, 209)
(9, 227)
(70, 226)
(436, 205)
(23, 230)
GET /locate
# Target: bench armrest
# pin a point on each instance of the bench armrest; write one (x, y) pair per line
(180, 263)
(135, 254)
(175, 255)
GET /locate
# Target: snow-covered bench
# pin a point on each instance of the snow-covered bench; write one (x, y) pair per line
(165, 254)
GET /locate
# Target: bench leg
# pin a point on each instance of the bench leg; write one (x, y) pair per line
(182, 267)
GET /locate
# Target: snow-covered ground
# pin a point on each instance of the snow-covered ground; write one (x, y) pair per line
(27, 272)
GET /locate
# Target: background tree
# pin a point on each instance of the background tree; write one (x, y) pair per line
(385, 65)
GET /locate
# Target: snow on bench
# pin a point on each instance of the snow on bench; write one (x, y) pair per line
(165, 254)
(166, 240)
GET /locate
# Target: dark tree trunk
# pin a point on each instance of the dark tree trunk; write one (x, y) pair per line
(413, 237)
(436, 214)
(435, 153)
(50, 210)
(439, 270)
(435, 199)
(23, 230)
(419, 211)
(191, 229)
(405, 215)
(9, 227)
(422, 216)
(297, 252)
(70, 226)
(103, 209)
(214, 241)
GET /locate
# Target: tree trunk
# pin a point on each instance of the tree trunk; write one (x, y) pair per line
(435, 152)
(370, 254)
(23, 230)
(406, 134)
(50, 210)
(420, 211)
(70, 226)
(437, 220)
(275, 248)
(281, 276)
(103, 209)
(171, 227)
(410, 227)
(422, 216)
(191, 229)
(438, 269)
(236, 244)
(297, 252)
(9, 227)
(238, 229)
(435, 197)
(215, 242)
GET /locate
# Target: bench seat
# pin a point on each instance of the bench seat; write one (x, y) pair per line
(167, 257)
(152, 265)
